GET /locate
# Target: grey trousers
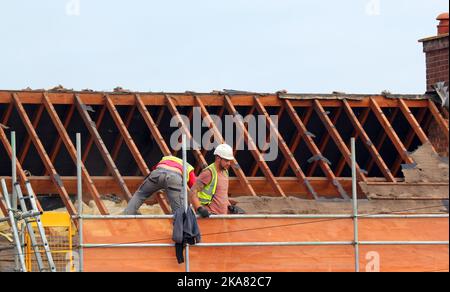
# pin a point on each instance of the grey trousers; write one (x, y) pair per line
(160, 179)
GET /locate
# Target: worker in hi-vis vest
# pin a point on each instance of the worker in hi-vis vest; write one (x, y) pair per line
(167, 175)
(209, 195)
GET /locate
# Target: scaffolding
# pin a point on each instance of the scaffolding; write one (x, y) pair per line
(355, 243)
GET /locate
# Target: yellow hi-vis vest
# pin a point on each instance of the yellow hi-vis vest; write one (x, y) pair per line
(179, 161)
(207, 194)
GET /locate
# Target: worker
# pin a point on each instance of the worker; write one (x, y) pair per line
(167, 175)
(209, 195)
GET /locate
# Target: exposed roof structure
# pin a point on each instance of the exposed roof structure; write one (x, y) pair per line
(124, 134)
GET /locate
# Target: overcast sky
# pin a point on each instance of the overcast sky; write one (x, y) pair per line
(304, 46)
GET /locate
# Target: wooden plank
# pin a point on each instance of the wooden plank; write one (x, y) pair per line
(324, 143)
(337, 138)
(73, 154)
(102, 147)
(303, 131)
(368, 143)
(382, 137)
(27, 143)
(44, 157)
(285, 150)
(245, 184)
(402, 151)
(413, 123)
(132, 147)
(443, 124)
(341, 164)
(254, 150)
(173, 109)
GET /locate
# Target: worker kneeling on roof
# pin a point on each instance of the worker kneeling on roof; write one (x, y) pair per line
(209, 195)
(167, 175)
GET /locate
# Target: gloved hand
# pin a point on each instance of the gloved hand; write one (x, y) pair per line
(233, 209)
(203, 212)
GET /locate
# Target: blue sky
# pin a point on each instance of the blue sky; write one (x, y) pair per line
(305, 46)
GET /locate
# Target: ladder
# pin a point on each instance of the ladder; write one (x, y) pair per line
(29, 217)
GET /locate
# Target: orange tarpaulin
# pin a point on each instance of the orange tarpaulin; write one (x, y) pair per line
(269, 258)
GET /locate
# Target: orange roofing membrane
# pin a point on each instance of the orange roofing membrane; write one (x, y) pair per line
(270, 258)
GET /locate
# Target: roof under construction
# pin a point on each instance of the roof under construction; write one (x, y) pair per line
(125, 133)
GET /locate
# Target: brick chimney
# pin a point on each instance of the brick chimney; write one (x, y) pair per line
(436, 51)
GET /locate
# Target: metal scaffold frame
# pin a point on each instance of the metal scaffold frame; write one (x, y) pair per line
(355, 216)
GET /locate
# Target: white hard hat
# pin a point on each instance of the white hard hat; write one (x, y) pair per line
(224, 151)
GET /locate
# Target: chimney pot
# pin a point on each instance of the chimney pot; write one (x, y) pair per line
(443, 23)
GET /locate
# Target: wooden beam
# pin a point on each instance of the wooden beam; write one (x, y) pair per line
(2, 136)
(22, 177)
(107, 185)
(27, 143)
(337, 138)
(295, 143)
(176, 151)
(368, 143)
(285, 150)
(381, 138)
(7, 114)
(119, 139)
(44, 157)
(309, 141)
(326, 138)
(409, 140)
(255, 165)
(101, 147)
(57, 145)
(173, 109)
(254, 150)
(187, 99)
(241, 138)
(3, 207)
(209, 144)
(156, 134)
(152, 126)
(341, 164)
(73, 154)
(402, 151)
(245, 184)
(443, 124)
(90, 142)
(413, 123)
(140, 161)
